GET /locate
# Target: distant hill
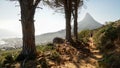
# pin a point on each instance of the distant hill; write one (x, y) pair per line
(48, 37)
(8, 40)
(87, 23)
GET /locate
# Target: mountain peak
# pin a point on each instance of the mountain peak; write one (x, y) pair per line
(88, 16)
(88, 23)
(89, 19)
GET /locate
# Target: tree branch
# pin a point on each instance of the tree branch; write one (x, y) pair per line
(36, 3)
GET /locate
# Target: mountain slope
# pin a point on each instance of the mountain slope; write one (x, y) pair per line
(48, 37)
(87, 23)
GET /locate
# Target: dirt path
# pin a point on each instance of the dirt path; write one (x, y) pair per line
(90, 61)
(93, 58)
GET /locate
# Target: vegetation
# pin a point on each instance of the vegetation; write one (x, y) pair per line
(27, 20)
(107, 40)
(43, 48)
(9, 56)
(76, 4)
(28, 8)
(105, 37)
(84, 35)
(70, 8)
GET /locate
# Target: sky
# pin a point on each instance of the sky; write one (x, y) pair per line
(46, 20)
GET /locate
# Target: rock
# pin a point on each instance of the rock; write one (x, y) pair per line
(58, 40)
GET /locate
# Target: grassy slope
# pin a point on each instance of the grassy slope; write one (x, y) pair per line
(107, 40)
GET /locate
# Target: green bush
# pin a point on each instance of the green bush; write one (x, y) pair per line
(111, 33)
(84, 35)
(98, 34)
(8, 56)
(105, 39)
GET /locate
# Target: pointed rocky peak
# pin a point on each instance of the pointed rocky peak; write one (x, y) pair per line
(88, 22)
(88, 17)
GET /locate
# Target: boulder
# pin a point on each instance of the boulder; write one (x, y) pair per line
(58, 40)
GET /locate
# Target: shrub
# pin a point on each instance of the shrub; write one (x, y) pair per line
(84, 35)
(98, 34)
(105, 39)
(55, 56)
(8, 59)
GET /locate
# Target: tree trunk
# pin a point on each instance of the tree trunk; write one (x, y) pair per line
(75, 21)
(28, 49)
(67, 8)
(28, 31)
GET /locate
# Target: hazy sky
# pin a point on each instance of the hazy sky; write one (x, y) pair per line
(46, 20)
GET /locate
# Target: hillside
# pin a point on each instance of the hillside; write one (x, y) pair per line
(48, 37)
(101, 50)
(56, 56)
(107, 40)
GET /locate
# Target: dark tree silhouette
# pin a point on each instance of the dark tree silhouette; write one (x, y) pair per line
(28, 8)
(75, 7)
(66, 6)
(70, 8)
